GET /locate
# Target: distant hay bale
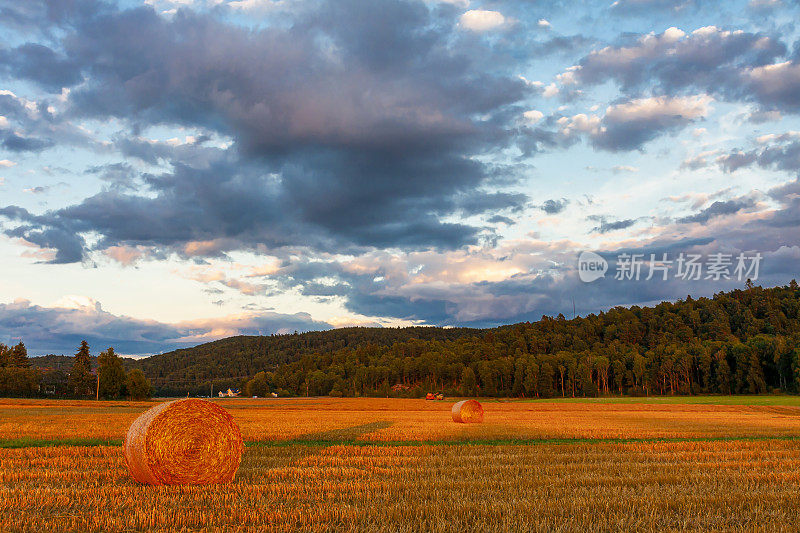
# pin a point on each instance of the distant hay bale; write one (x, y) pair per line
(468, 412)
(184, 442)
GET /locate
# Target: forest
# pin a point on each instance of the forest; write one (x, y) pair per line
(740, 342)
(745, 341)
(81, 376)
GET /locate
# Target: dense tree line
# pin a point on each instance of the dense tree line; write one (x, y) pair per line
(19, 378)
(226, 363)
(742, 342)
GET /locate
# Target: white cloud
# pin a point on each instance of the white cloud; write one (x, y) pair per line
(550, 91)
(617, 169)
(533, 116)
(482, 20)
(568, 76)
(775, 137)
(79, 302)
(543, 23)
(683, 108)
(580, 123)
(701, 160)
(125, 255)
(3, 123)
(5, 163)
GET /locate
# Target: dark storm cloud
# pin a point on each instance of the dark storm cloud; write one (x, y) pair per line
(500, 219)
(193, 153)
(554, 207)
(785, 191)
(18, 143)
(482, 202)
(648, 7)
(353, 126)
(237, 202)
(116, 175)
(45, 232)
(708, 57)
(782, 152)
(45, 15)
(391, 82)
(561, 44)
(716, 209)
(631, 134)
(388, 291)
(736, 160)
(734, 65)
(42, 65)
(631, 123)
(781, 156)
(607, 225)
(50, 329)
(532, 141)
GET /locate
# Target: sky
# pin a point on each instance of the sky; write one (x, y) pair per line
(178, 171)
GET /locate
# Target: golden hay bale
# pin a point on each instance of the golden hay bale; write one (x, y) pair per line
(184, 442)
(467, 412)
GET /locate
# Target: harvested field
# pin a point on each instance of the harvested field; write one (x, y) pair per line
(730, 486)
(378, 420)
(365, 465)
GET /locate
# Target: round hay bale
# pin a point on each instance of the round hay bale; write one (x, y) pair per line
(468, 412)
(184, 442)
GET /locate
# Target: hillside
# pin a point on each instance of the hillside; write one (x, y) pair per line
(57, 362)
(228, 361)
(743, 341)
(740, 342)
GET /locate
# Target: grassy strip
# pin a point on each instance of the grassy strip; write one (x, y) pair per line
(711, 399)
(510, 442)
(38, 443)
(30, 442)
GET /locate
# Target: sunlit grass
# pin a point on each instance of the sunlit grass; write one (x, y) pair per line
(377, 420)
(404, 466)
(724, 486)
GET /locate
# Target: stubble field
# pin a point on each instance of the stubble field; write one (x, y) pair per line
(402, 465)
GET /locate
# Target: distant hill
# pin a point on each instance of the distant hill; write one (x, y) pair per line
(56, 362)
(228, 361)
(742, 341)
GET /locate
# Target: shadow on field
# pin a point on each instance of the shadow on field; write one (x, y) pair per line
(341, 435)
(306, 446)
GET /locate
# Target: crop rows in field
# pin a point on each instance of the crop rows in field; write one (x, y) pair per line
(744, 486)
(378, 420)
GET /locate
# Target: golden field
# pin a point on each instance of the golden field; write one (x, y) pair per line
(381, 419)
(720, 486)
(358, 465)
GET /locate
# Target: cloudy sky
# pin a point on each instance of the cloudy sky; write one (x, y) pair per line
(176, 171)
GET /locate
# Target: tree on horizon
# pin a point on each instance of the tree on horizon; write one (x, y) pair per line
(138, 386)
(19, 356)
(111, 373)
(81, 380)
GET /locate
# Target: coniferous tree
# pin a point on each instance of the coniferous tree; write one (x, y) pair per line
(81, 380)
(17, 378)
(19, 356)
(5, 355)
